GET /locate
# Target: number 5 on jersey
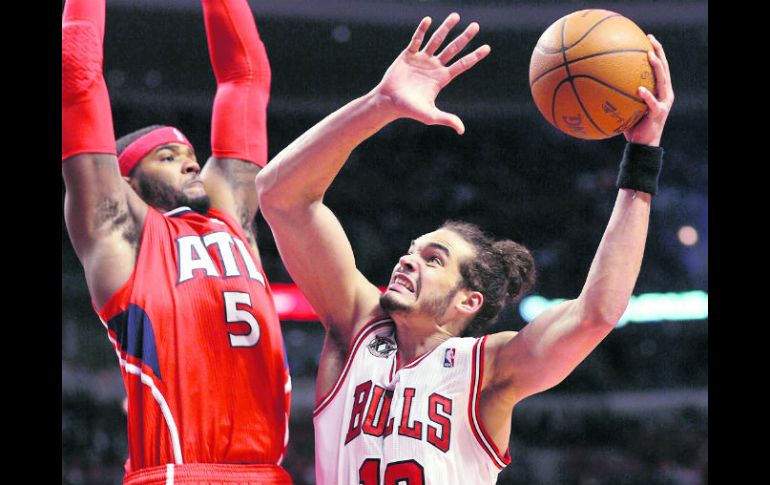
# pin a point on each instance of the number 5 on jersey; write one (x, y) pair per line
(233, 314)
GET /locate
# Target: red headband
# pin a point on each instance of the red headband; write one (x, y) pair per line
(143, 145)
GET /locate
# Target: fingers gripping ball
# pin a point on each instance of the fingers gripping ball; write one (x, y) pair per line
(585, 72)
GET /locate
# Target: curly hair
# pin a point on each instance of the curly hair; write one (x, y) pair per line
(501, 270)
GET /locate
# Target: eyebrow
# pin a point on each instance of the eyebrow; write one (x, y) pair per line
(173, 148)
(165, 147)
(440, 247)
(435, 245)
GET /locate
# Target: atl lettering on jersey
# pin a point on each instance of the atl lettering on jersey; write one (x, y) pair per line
(194, 255)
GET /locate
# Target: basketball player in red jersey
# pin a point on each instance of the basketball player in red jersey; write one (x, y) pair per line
(171, 262)
(402, 395)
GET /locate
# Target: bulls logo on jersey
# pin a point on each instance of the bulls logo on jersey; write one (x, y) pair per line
(382, 346)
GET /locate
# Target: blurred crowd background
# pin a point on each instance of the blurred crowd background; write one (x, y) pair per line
(636, 411)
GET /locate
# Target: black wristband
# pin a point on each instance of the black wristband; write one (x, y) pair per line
(640, 168)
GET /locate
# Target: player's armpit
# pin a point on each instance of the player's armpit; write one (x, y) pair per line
(98, 201)
(229, 183)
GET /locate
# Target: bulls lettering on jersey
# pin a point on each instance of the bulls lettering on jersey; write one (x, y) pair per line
(419, 423)
(370, 419)
(199, 343)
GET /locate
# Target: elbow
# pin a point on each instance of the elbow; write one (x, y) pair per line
(277, 199)
(261, 183)
(268, 194)
(602, 315)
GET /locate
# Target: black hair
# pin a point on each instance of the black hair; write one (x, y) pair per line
(501, 270)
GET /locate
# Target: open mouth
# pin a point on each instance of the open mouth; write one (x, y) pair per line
(404, 282)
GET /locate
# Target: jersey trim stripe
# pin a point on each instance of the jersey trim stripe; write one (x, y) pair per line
(156, 394)
(178, 211)
(362, 334)
(477, 376)
(414, 362)
(169, 474)
(164, 409)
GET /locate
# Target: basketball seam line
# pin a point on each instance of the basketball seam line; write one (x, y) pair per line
(566, 67)
(572, 85)
(633, 98)
(572, 61)
(563, 48)
(553, 103)
(580, 102)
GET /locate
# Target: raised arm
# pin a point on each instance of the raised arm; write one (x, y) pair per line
(546, 350)
(239, 118)
(291, 188)
(102, 213)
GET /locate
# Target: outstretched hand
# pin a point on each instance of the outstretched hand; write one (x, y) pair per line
(650, 128)
(412, 83)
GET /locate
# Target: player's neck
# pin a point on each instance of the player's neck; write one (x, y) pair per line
(415, 340)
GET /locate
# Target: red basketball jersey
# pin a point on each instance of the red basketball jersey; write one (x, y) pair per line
(200, 348)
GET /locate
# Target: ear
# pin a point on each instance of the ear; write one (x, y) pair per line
(470, 302)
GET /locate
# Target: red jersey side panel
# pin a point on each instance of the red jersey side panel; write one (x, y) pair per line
(200, 348)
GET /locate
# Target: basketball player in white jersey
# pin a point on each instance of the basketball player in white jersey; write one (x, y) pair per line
(402, 396)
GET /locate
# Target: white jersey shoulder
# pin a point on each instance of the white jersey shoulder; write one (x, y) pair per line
(384, 421)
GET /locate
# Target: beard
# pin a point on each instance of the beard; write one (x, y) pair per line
(161, 195)
(390, 305)
(436, 306)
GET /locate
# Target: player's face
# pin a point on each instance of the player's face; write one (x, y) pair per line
(169, 177)
(427, 278)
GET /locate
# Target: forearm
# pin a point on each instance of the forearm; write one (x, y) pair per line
(615, 268)
(302, 172)
(242, 70)
(86, 114)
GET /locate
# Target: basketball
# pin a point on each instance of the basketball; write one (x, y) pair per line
(585, 71)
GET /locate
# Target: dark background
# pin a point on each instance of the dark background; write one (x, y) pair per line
(636, 411)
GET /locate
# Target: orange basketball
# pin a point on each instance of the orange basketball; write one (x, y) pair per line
(585, 71)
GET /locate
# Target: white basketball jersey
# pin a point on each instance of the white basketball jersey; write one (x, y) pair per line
(417, 424)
